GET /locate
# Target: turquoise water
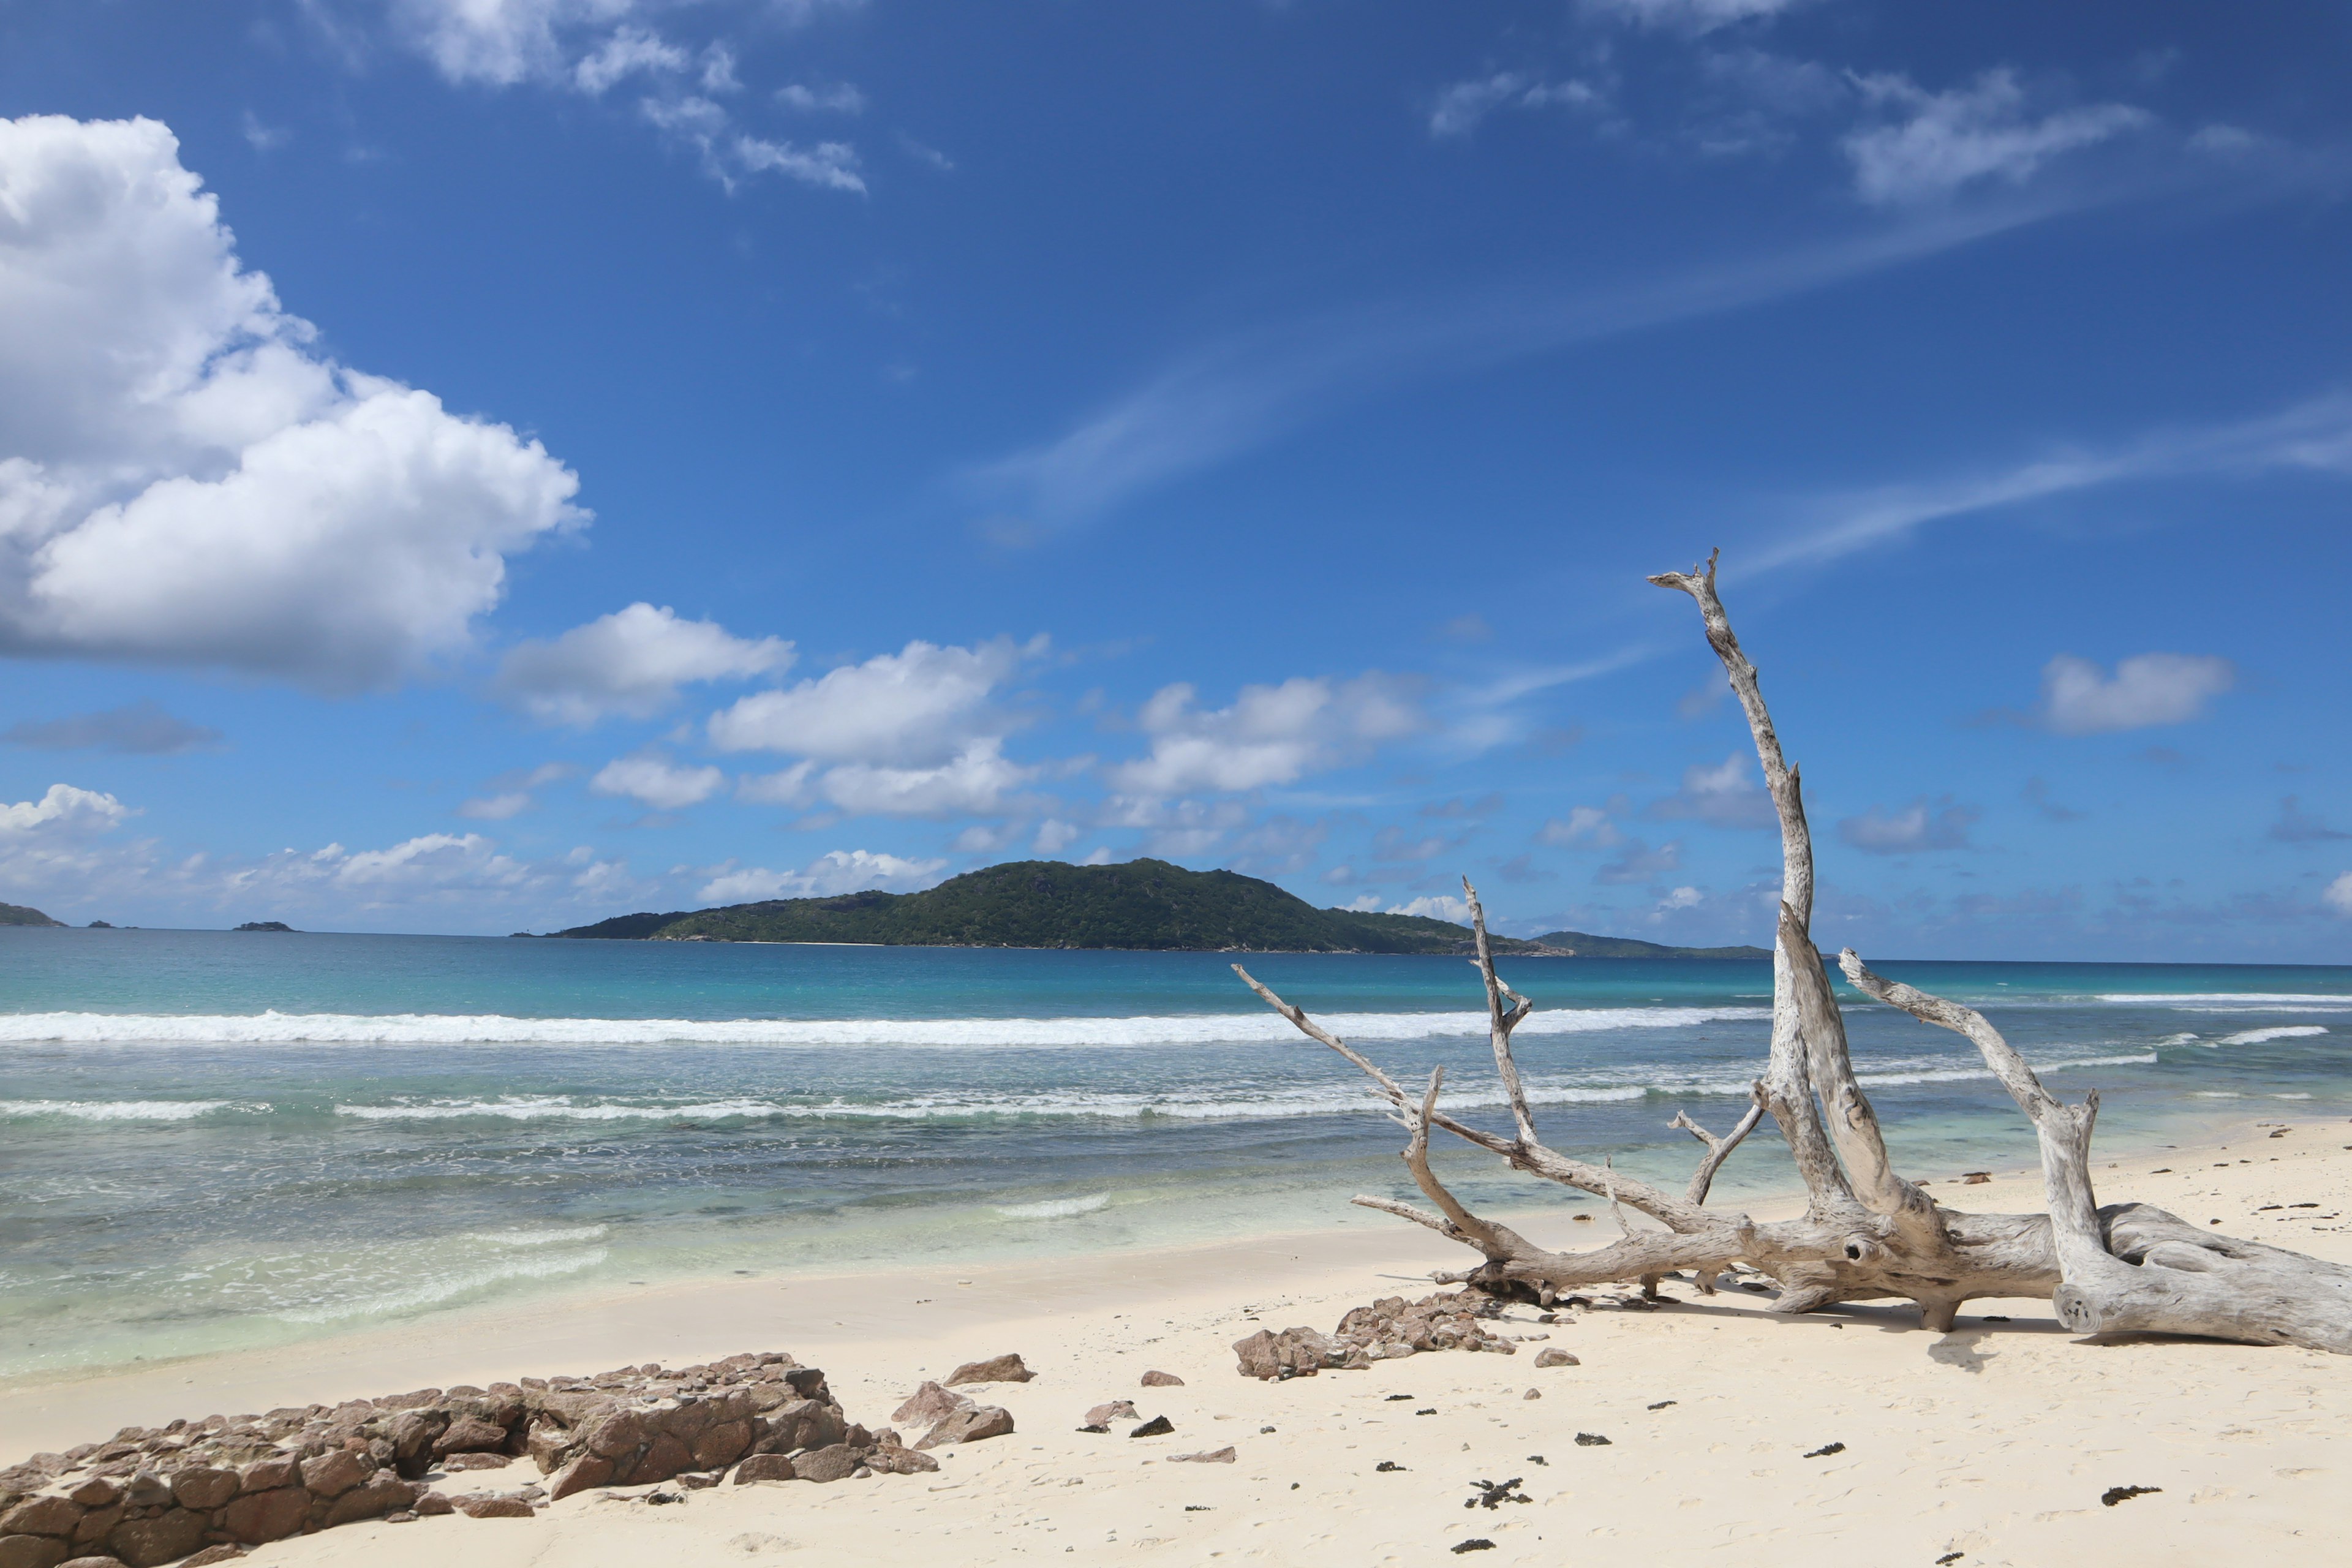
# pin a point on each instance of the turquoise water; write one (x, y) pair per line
(212, 1140)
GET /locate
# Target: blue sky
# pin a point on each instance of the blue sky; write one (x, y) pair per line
(475, 464)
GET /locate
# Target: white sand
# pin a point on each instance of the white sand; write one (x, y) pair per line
(1994, 1441)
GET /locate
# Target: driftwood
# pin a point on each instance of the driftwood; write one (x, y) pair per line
(1866, 1234)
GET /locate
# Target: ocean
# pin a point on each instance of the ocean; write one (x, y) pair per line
(214, 1140)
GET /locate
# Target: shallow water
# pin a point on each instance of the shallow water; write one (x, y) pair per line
(211, 1140)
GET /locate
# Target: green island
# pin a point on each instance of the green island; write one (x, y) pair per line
(19, 915)
(1148, 905)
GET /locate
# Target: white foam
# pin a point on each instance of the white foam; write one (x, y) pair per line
(1056, 1209)
(432, 1292)
(2169, 998)
(551, 1237)
(560, 1108)
(455, 1029)
(113, 1109)
(2256, 1037)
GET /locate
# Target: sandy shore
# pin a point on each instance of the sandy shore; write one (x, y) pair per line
(1995, 1441)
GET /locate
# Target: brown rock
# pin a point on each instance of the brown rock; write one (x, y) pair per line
(32, 1551)
(765, 1467)
(969, 1427)
(549, 1446)
(1213, 1457)
(157, 1539)
(1556, 1357)
(269, 1475)
(1116, 1410)
(42, 1516)
(98, 1524)
(929, 1405)
(460, 1462)
(722, 1444)
(1162, 1380)
(470, 1435)
(828, 1464)
(203, 1489)
(109, 1561)
(893, 1460)
(98, 1492)
(225, 1552)
(257, 1517)
(664, 1459)
(379, 1495)
(333, 1474)
(1258, 1355)
(615, 1433)
(498, 1506)
(996, 1369)
(587, 1470)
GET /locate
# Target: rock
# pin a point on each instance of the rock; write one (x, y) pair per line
(203, 1489)
(722, 1444)
(1214, 1457)
(495, 1506)
(969, 1427)
(98, 1492)
(257, 1517)
(42, 1516)
(431, 1505)
(1533, 1393)
(1162, 1380)
(331, 1475)
(765, 1467)
(157, 1539)
(1116, 1410)
(1158, 1426)
(658, 1463)
(930, 1404)
(112, 1561)
(32, 1552)
(98, 1524)
(996, 1369)
(830, 1464)
(893, 1460)
(1556, 1357)
(470, 1435)
(372, 1499)
(462, 1462)
(269, 1475)
(587, 1470)
(224, 1552)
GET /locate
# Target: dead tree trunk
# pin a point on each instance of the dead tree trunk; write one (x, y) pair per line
(1866, 1233)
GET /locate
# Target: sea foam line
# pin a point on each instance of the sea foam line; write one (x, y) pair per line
(453, 1029)
(2256, 1037)
(113, 1109)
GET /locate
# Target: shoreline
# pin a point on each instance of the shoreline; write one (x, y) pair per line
(884, 1312)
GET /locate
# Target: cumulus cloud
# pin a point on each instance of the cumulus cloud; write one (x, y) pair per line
(656, 782)
(1439, 907)
(841, 98)
(509, 795)
(1459, 108)
(183, 481)
(1721, 796)
(1917, 827)
(65, 809)
(839, 871)
(1055, 835)
(1174, 829)
(2338, 895)
(631, 662)
(1680, 898)
(2150, 688)
(1687, 16)
(915, 708)
(1937, 143)
(141, 728)
(1271, 734)
(1582, 825)
(975, 782)
(627, 52)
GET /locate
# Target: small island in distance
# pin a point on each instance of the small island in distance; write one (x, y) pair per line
(1145, 905)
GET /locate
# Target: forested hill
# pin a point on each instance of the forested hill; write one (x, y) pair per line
(1142, 904)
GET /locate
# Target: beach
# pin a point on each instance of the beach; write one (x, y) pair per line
(1997, 1441)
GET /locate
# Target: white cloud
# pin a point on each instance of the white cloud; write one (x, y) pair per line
(914, 708)
(1100, 856)
(1583, 824)
(1055, 835)
(658, 782)
(64, 809)
(840, 871)
(1721, 796)
(628, 51)
(182, 481)
(2151, 689)
(841, 98)
(1945, 141)
(1442, 907)
(1681, 899)
(1271, 735)
(833, 165)
(498, 807)
(1175, 830)
(1458, 109)
(630, 662)
(974, 782)
(2339, 894)
(1687, 16)
(1917, 827)
(430, 860)
(728, 155)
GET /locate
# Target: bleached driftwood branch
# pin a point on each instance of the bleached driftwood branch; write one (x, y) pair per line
(1866, 1233)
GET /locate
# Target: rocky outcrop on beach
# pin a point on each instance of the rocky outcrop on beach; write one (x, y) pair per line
(1390, 1327)
(203, 1490)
